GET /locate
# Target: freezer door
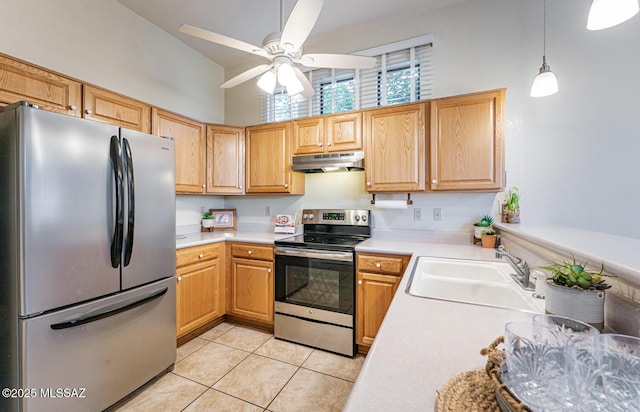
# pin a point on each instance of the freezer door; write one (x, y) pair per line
(99, 352)
(149, 251)
(66, 204)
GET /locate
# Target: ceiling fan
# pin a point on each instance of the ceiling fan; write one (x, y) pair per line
(283, 50)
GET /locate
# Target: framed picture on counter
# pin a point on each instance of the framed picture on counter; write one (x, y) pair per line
(223, 218)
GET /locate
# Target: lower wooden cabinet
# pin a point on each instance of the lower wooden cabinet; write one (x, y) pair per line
(251, 282)
(200, 286)
(377, 280)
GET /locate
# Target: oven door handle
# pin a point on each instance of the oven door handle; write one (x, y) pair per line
(316, 254)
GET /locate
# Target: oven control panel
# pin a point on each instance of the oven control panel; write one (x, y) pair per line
(351, 217)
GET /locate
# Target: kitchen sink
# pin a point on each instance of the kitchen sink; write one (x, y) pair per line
(470, 281)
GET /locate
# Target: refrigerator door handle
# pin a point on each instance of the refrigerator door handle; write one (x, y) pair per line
(109, 310)
(131, 197)
(116, 241)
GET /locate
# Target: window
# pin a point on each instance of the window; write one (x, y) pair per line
(402, 74)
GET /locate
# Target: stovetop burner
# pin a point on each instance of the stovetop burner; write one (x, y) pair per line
(330, 229)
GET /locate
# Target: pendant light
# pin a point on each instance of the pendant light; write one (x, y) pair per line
(545, 83)
(608, 13)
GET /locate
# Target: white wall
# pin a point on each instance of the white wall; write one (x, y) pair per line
(103, 43)
(573, 155)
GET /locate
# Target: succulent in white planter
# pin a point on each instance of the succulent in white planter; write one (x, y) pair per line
(574, 292)
(485, 223)
(207, 220)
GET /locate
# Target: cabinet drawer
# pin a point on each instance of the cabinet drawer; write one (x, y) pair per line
(252, 251)
(389, 264)
(196, 254)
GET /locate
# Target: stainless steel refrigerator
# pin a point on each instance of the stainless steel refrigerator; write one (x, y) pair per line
(87, 261)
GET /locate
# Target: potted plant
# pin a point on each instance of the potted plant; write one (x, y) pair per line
(484, 224)
(489, 238)
(207, 220)
(513, 205)
(574, 292)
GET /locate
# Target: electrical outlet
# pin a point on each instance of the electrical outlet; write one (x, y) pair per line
(437, 214)
(267, 210)
(417, 214)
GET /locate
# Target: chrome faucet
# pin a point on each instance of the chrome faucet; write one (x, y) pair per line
(522, 277)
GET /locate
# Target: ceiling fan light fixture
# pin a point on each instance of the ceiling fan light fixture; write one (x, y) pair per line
(608, 13)
(294, 87)
(267, 82)
(286, 74)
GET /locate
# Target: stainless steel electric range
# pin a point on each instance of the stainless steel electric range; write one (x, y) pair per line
(315, 280)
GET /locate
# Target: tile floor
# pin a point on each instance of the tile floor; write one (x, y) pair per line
(236, 368)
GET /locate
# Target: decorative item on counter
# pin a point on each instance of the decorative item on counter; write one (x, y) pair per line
(484, 224)
(207, 222)
(489, 238)
(285, 224)
(513, 205)
(219, 219)
(576, 293)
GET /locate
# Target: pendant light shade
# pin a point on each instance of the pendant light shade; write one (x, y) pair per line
(545, 83)
(608, 13)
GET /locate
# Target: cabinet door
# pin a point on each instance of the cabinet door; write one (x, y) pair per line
(198, 295)
(467, 142)
(308, 136)
(268, 157)
(395, 148)
(373, 296)
(252, 289)
(21, 81)
(344, 132)
(225, 160)
(189, 141)
(108, 107)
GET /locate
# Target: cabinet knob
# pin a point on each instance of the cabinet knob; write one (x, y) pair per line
(200, 256)
(249, 252)
(286, 185)
(359, 282)
(203, 186)
(88, 111)
(378, 265)
(268, 270)
(319, 144)
(434, 182)
(179, 278)
(240, 187)
(329, 144)
(73, 107)
(369, 184)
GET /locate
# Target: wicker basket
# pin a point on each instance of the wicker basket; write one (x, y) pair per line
(480, 390)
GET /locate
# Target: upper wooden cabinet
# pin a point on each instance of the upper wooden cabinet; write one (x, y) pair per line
(108, 107)
(225, 160)
(268, 158)
(189, 138)
(467, 142)
(335, 133)
(395, 148)
(21, 81)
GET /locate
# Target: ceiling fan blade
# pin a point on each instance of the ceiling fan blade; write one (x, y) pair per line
(337, 61)
(299, 24)
(224, 40)
(244, 76)
(307, 90)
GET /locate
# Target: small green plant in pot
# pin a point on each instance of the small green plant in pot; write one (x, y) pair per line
(575, 292)
(484, 224)
(207, 220)
(489, 238)
(513, 205)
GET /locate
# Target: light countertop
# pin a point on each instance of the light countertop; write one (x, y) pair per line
(202, 238)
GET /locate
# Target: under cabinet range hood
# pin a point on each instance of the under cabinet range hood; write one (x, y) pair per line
(330, 162)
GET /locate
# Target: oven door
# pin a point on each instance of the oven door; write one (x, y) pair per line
(316, 279)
